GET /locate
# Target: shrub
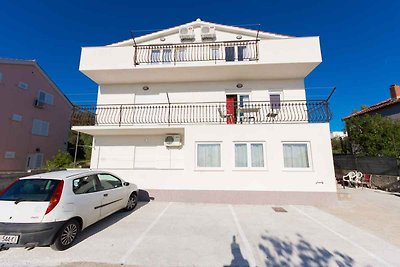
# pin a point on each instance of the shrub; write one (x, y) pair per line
(61, 160)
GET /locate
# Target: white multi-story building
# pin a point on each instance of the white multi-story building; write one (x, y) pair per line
(208, 112)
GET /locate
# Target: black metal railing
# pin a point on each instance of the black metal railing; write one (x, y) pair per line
(192, 52)
(202, 113)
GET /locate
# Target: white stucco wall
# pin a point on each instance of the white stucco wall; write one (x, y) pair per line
(293, 89)
(147, 162)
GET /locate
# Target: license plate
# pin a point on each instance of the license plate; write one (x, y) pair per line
(9, 239)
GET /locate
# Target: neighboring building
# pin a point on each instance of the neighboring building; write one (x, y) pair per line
(338, 134)
(389, 108)
(208, 112)
(34, 116)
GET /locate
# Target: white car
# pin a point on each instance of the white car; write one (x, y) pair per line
(52, 208)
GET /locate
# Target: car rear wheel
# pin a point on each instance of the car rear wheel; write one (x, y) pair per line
(132, 202)
(67, 235)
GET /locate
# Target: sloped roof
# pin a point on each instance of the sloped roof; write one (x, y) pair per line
(380, 105)
(198, 23)
(34, 63)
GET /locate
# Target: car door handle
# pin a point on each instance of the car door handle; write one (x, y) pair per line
(106, 195)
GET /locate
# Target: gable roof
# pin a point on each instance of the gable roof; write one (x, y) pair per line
(198, 23)
(37, 66)
(380, 105)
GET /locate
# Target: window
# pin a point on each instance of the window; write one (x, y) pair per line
(167, 55)
(40, 127)
(155, 55)
(84, 185)
(34, 161)
(249, 155)
(296, 155)
(108, 181)
(16, 117)
(275, 100)
(230, 53)
(1, 76)
(214, 53)
(209, 155)
(23, 85)
(45, 98)
(30, 190)
(181, 54)
(242, 55)
(9, 155)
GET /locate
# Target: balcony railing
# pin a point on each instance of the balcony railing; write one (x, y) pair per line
(202, 113)
(195, 52)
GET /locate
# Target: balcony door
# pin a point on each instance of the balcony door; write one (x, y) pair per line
(231, 101)
(230, 53)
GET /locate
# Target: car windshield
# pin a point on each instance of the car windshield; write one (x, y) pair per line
(30, 190)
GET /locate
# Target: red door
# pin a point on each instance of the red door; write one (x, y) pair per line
(231, 109)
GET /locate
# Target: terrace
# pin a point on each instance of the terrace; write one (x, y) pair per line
(302, 111)
(229, 51)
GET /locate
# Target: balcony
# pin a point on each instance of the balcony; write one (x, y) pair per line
(196, 52)
(290, 58)
(202, 113)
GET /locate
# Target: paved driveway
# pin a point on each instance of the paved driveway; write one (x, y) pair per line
(183, 234)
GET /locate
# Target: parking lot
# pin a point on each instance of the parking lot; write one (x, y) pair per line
(187, 234)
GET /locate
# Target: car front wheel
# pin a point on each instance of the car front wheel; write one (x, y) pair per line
(67, 235)
(132, 202)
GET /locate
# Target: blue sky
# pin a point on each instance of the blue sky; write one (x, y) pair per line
(360, 40)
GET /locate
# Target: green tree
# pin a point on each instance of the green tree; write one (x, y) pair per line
(61, 160)
(340, 145)
(374, 136)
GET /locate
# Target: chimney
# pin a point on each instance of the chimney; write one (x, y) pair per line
(395, 91)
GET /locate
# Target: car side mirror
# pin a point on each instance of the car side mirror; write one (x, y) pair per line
(126, 183)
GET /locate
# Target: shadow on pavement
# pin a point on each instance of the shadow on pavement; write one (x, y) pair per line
(286, 252)
(112, 219)
(238, 260)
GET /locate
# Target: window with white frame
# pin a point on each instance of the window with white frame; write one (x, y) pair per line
(208, 155)
(45, 98)
(296, 155)
(40, 127)
(249, 155)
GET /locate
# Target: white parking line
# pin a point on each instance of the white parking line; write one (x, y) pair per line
(141, 237)
(342, 236)
(247, 248)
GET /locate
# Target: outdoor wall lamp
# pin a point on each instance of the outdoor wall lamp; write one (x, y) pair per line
(239, 85)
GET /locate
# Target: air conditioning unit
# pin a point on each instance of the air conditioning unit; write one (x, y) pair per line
(38, 103)
(186, 33)
(172, 140)
(208, 33)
